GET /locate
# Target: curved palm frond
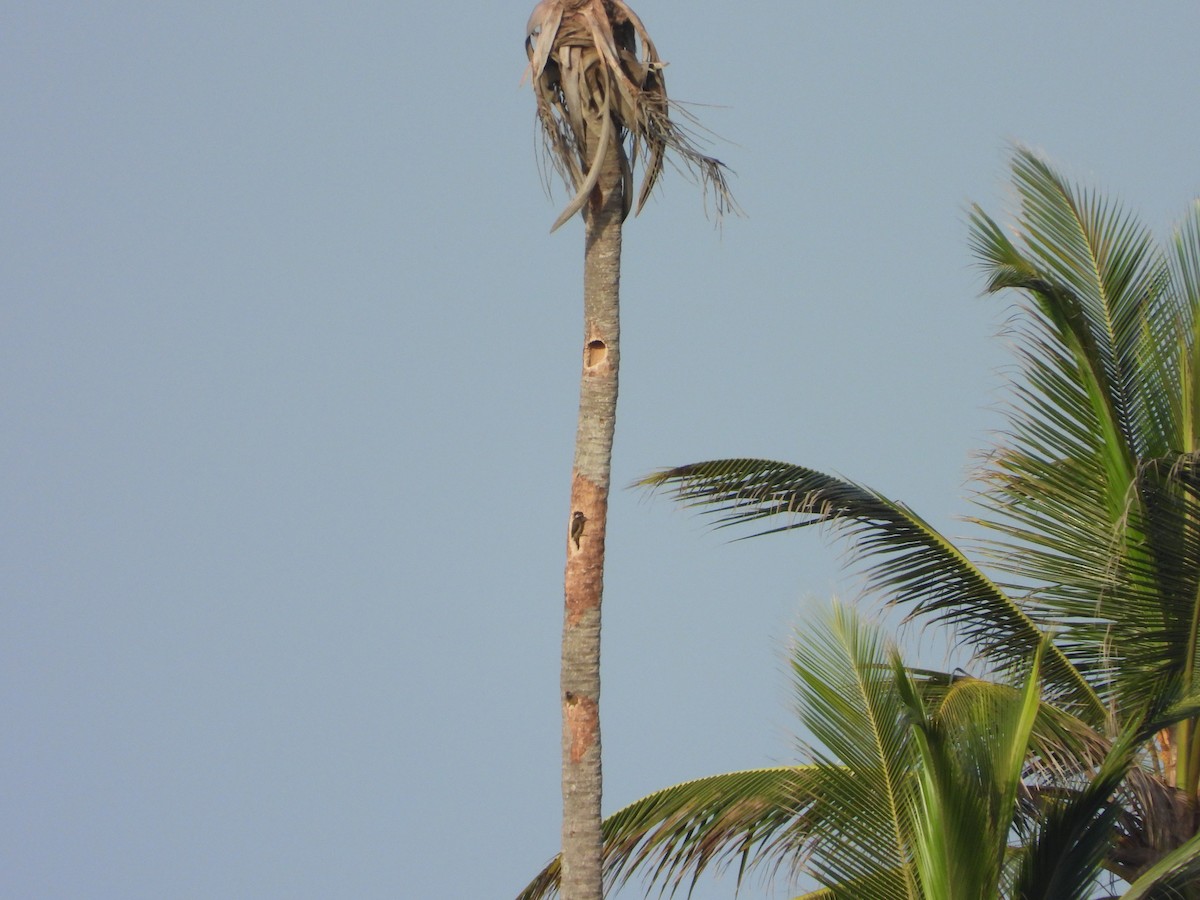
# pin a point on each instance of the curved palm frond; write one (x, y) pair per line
(1185, 281)
(863, 801)
(922, 789)
(1067, 850)
(677, 834)
(916, 786)
(1056, 492)
(1171, 876)
(1094, 272)
(596, 93)
(1076, 835)
(910, 563)
(1063, 747)
(1157, 630)
(1077, 498)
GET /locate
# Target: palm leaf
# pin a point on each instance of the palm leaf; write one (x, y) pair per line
(862, 781)
(1092, 501)
(1095, 273)
(973, 749)
(1157, 630)
(1171, 876)
(1076, 835)
(675, 835)
(911, 564)
(1185, 282)
(1103, 363)
(1062, 747)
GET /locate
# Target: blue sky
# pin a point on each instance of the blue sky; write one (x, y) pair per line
(289, 367)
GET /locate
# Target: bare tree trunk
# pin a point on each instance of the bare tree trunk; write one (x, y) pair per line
(582, 846)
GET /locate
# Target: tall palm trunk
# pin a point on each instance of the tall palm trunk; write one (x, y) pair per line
(584, 581)
(599, 86)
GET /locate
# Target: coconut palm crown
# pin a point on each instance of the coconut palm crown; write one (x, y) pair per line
(596, 94)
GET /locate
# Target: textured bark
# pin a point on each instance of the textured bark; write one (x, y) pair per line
(582, 846)
(602, 102)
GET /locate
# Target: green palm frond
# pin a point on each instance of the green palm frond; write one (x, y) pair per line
(1063, 747)
(847, 699)
(1055, 494)
(1091, 506)
(1185, 282)
(917, 784)
(1156, 631)
(1095, 275)
(1106, 365)
(751, 818)
(910, 563)
(973, 749)
(1066, 852)
(1171, 876)
(1076, 835)
(924, 774)
(1094, 272)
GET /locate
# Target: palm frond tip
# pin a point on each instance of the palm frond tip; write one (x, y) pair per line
(908, 562)
(675, 835)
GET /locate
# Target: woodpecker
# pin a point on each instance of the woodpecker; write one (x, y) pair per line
(578, 520)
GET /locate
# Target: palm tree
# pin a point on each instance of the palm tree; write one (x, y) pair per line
(1091, 507)
(602, 104)
(921, 791)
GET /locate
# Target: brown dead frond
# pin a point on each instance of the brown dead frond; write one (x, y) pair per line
(596, 95)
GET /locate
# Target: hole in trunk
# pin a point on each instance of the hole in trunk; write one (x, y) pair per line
(594, 354)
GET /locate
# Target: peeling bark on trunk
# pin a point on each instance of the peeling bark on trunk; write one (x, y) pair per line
(582, 847)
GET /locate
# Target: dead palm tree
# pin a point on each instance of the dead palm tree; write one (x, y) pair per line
(603, 107)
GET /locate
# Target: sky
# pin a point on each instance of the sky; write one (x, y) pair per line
(288, 379)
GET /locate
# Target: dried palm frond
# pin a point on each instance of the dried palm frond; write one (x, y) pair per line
(595, 94)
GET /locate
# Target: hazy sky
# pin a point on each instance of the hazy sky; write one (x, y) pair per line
(288, 381)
